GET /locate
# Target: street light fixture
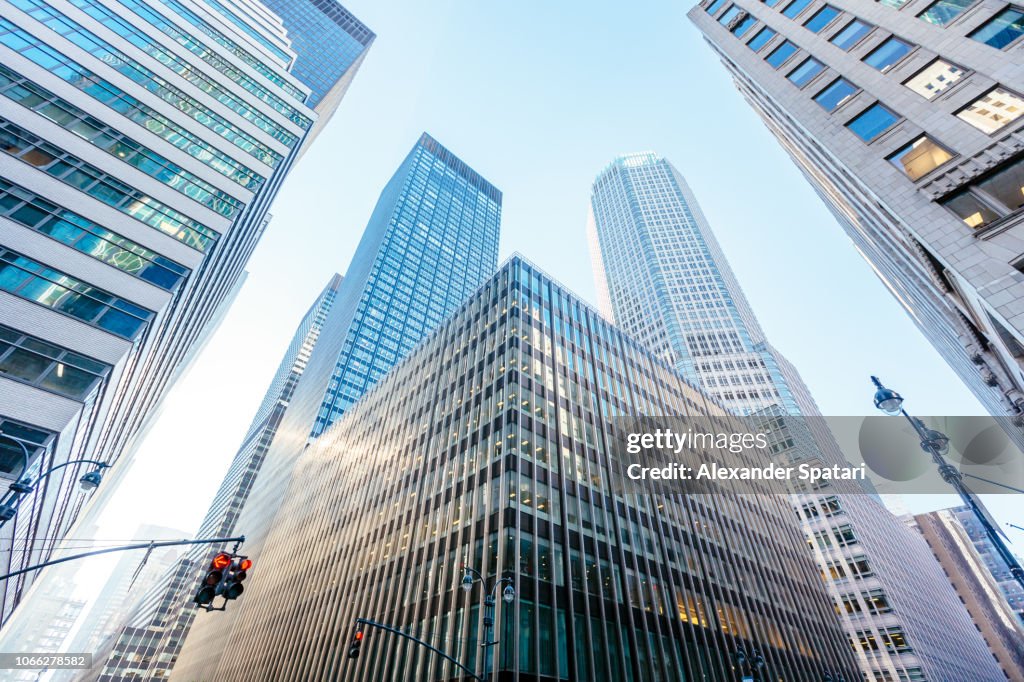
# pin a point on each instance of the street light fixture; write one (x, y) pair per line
(23, 485)
(508, 595)
(936, 444)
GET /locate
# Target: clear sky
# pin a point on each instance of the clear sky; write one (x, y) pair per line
(538, 97)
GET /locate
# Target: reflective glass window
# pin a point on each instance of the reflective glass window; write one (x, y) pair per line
(872, 122)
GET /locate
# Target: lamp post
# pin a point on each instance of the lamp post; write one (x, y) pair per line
(508, 595)
(752, 663)
(936, 444)
(23, 485)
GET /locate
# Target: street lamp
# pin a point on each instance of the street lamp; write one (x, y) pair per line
(23, 485)
(936, 444)
(508, 595)
(752, 664)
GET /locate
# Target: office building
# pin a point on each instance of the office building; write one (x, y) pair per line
(996, 567)
(57, 613)
(976, 586)
(431, 240)
(142, 145)
(330, 44)
(667, 282)
(905, 116)
(490, 445)
(148, 641)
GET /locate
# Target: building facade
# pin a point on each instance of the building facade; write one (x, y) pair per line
(431, 240)
(491, 446)
(668, 284)
(976, 586)
(905, 116)
(148, 639)
(142, 145)
(997, 568)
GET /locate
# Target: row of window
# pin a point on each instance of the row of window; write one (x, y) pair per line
(128, 67)
(76, 173)
(120, 101)
(34, 212)
(985, 201)
(68, 116)
(39, 363)
(211, 57)
(40, 284)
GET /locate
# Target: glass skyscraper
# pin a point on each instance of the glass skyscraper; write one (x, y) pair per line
(491, 445)
(146, 644)
(664, 279)
(141, 145)
(431, 240)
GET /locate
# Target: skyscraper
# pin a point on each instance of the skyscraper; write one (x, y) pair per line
(668, 283)
(976, 586)
(330, 44)
(491, 445)
(431, 240)
(148, 642)
(142, 145)
(996, 567)
(905, 116)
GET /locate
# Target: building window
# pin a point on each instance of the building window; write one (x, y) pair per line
(944, 11)
(851, 34)
(833, 96)
(729, 15)
(805, 73)
(34, 281)
(935, 78)
(781, 54)
(771, 3)
(715, 6)
(993, 112)
(887, 54)
(991, 198)
(761, 39)
(12, 458)
(795, 8)
(872, 122)
(1002, 29)
(920, 157)
(47, 366)
(822, 18)
(745, 24)
(895, 4)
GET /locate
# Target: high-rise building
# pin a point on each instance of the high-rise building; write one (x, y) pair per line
(142, 145)
(976, 586)
(312, 25)
(667, 282)
(431, 240)
(905, 116)
(491, 446)
(132, 574)
(149, 639)
(56, 613)
(996, 567)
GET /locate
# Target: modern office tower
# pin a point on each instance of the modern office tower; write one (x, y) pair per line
(56, 614)
(976, 586)
(431, 241)
(490, 446)
(1011, 589)
(312, 24)
(130, 576)
(905, 116)
(142, 145)
(148, 642)
(669, 285)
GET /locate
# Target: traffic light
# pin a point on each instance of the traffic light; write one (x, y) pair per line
(230, 586)
(357, 641)
(211, 581)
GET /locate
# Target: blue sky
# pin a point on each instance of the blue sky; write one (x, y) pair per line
(538, 97)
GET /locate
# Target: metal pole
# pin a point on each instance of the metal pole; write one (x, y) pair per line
(417, 640)
(123, 548)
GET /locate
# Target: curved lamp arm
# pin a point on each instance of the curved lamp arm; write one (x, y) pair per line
(101, 465)
(24, 453)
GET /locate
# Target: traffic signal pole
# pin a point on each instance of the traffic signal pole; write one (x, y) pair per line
(123, 548)
(406, 635)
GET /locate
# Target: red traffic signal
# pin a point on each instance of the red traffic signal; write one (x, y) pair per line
(245, 564)
(357, 641)
(221, 561)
